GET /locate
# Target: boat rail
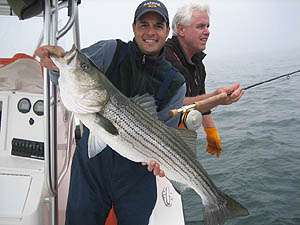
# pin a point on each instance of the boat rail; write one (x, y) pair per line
(51, 35)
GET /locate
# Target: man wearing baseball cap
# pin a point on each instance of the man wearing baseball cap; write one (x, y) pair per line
(100, 176)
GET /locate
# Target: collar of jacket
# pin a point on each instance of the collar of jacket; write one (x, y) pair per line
(175, 44)
(145, 60)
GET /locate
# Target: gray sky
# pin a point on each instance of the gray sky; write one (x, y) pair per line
(237, 26)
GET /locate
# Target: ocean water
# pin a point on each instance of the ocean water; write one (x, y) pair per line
(260, 164)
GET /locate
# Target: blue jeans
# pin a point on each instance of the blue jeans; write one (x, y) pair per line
(106, 179)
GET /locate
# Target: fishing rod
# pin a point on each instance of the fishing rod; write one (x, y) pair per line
(272, 79)
(206, 104)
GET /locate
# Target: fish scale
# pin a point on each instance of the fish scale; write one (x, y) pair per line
(142, 132)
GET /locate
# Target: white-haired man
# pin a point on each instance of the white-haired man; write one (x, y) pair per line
(185, 51)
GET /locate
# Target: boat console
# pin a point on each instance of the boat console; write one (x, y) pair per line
(21, 159)
(21, 147)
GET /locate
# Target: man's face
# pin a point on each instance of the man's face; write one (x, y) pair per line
(195, 35)
(150, 32)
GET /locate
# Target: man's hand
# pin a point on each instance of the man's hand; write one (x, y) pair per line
(234, 93)
(44, 53)
(154, 167)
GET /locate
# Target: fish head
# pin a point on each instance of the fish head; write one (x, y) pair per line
(75, 68)
(82, 85)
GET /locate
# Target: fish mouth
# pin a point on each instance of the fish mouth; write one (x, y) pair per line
(66, 59)
(70, 55)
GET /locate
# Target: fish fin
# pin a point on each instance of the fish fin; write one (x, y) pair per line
(188, 136)
(217, 214)
(178, 186)
(147, 102)
(106, 124)
(235, 208)
(95, 145)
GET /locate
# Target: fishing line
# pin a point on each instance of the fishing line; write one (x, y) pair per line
(288, 75)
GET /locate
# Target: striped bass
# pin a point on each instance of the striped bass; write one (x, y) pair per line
(137, 134)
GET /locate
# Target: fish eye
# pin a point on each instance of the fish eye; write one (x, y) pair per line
(84, 66)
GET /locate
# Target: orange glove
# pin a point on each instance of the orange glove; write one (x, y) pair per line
(214, 144)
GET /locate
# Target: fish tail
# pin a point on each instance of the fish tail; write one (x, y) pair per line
(217, 214)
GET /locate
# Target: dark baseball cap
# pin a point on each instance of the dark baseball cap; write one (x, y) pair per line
(152, 6)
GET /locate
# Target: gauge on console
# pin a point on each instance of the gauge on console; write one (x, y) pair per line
(24, 105)
(38, 107)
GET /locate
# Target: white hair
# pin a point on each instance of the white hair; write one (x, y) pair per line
(184, 14)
